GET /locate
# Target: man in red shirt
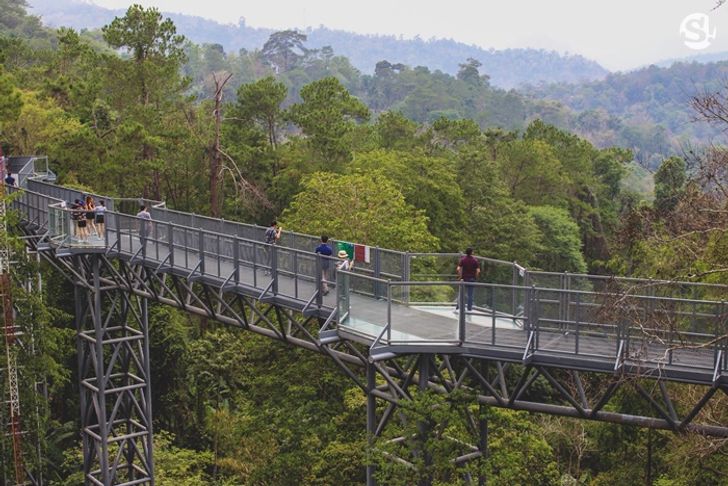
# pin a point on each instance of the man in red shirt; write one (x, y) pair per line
(469, 271)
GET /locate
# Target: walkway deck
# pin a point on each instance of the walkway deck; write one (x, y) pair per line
(379, 308)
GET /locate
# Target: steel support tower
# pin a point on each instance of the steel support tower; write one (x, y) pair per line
(113, 369)
(212, 274)
(11, 349)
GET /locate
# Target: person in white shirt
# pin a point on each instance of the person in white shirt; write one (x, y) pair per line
(145, 225)
(344, 263)
(100, 212)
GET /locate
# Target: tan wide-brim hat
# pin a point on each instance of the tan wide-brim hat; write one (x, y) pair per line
(343, 254)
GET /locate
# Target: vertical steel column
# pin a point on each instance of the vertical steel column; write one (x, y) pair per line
(424, 425)
(170, 243)
(117, 224)
(371, 421)
(274, 268)
(462, 310)
(514, 283)
(406, 277)
(114, 374)
(79, 296)
(236, 259)
(148, 449)
(483, 427)
(201, 249)
(101, 378)
(319, 279)
(377, 259)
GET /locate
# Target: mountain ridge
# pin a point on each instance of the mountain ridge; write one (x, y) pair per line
(507, 68)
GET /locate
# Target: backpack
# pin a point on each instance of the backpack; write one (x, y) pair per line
(270, 235)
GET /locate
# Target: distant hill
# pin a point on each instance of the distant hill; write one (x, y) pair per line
(701, 58)
(655, 97)
(507, 68)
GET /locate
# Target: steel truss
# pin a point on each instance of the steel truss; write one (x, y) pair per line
(508, 385)
(112, 292)
(113, 369)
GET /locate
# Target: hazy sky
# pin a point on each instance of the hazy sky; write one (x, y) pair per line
(619, 34)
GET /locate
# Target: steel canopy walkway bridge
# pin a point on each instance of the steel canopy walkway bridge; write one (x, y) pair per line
(394, 317)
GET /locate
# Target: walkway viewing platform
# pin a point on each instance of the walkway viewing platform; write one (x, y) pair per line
(398, 303)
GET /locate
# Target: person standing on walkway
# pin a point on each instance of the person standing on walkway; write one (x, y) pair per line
(90, 215)
(100, 212)
(272, 236)
(273, 233)
(468, 270)
(325, 251)
(145, 225)
(344, 262)
(77, 220)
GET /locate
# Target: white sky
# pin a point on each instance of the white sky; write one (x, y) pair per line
(619, 34)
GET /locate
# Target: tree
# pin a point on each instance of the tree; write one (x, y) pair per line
(469, 73)
(575, 154)
(670, 180)
(217, 154)
(75, 77)
(15, 20)
(146, 86)
(365, 208)
(395, 130)
(261, 102)
(561, 245)
(452, 134)
(153, 43)
(428, 184)
(284, 50)
(532, 172)
(326, 115)
(41, 126)
(10, 101)
(432, 427)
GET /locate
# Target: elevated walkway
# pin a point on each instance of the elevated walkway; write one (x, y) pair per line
(400, 303)
(397, 315)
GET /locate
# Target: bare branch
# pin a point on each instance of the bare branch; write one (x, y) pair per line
(242, 183)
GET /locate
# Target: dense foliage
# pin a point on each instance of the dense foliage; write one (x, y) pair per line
(652, 105)
(405, 158)
(646, 111)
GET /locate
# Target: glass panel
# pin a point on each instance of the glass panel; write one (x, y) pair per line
(429, 318)
(492, 321)
(342, 299)
(364, 314)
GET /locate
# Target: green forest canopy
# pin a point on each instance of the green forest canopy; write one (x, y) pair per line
(406, 158)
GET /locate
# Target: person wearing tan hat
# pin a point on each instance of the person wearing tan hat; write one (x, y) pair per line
(344, 263)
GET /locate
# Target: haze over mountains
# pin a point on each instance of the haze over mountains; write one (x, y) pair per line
(507, 68)
(646, 110)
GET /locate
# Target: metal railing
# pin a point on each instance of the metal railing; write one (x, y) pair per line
(226, 258)
(651, 330)
(661, 321)
(34, 206)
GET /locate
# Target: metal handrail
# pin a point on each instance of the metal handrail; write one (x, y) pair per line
(530, 297)
(532, 273)
(586, 327)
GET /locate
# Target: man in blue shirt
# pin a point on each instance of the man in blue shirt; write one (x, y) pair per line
(325, 251)
(10, 180)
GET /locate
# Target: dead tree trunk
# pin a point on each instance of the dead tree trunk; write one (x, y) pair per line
(216, 156)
